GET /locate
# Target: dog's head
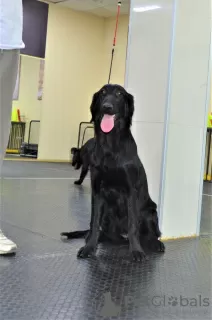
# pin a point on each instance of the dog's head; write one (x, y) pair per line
(112, 106)
(76, 160)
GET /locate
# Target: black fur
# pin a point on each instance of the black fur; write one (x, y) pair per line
(121, 204)
(81, 158)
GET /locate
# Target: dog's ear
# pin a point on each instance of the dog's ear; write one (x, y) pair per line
(94, 105)
(130, 107)
(73, 150)
(130, 99)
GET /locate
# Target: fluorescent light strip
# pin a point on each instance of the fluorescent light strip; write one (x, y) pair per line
(147, 8)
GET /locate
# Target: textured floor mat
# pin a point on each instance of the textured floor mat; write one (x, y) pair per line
(45, 280)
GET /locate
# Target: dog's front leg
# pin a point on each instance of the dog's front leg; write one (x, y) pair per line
(92, 239)
(136, 249)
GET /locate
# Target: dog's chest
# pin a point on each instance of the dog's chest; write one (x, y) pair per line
(109, 171)
(112, 174)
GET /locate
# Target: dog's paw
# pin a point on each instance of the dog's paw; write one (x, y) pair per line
(78, 182)
(157, 246)
(138, 256)
(161, 246)
(86, 252)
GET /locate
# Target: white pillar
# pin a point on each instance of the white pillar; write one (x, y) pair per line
(167, 71)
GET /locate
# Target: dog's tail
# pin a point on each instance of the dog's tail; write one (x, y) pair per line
(75, 234)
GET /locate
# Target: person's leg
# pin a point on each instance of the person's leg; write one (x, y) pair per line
(8, 74)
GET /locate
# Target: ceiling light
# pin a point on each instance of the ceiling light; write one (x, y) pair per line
(147, 8)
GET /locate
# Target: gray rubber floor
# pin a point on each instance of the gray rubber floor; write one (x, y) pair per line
(46, 281)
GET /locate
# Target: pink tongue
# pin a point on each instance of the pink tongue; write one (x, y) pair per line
(107, 123)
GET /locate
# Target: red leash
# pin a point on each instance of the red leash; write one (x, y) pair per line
(114, 39)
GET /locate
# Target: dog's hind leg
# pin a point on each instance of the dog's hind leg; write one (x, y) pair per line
(155, 225)
(154, 233)
(82, 175)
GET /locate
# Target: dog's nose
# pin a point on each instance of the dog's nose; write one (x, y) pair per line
(107, 107)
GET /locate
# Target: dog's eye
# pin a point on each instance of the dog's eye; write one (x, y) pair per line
(118, 93)
(104, 92)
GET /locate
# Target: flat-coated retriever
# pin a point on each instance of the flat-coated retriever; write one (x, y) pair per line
(81, 158)
(121, 204)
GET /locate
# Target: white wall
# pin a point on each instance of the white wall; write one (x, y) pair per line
(30, 107)
(78, 53)
(77, 64)
(73, 72)
(119, 60)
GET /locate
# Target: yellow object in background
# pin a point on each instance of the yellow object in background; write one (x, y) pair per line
(210, 120)
(14, 116)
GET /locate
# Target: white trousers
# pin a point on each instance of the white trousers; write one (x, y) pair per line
(8, 72)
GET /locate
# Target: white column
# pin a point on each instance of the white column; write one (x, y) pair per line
(167, 71)
(147, 69)
(186, 125)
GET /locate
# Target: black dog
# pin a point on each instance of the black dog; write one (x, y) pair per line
(81, 158)
(121, 204)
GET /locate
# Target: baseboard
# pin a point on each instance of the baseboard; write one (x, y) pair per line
(35, 160)
(179, 238)
(53, 161)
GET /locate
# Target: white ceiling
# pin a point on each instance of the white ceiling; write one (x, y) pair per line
(102, 8)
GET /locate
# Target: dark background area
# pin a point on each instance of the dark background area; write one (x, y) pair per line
(35, 19)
